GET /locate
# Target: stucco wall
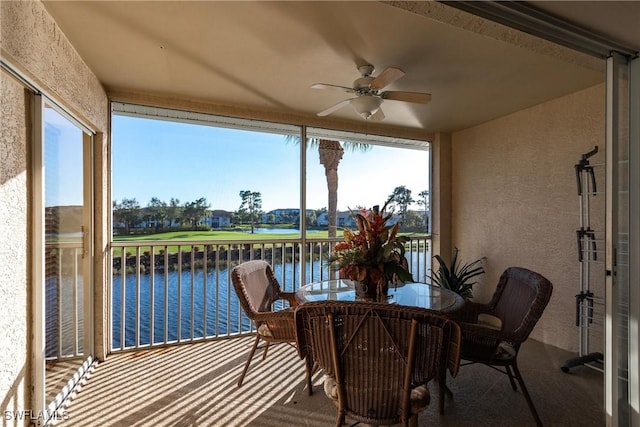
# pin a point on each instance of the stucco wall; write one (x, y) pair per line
(514, 199)
(35, 47)
(14, 320)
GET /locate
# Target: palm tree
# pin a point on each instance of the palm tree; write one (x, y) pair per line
(330, 153)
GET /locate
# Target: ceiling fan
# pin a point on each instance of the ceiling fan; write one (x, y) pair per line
(369, 94)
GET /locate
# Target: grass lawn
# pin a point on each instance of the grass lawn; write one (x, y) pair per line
(194, 236)
(218, 235)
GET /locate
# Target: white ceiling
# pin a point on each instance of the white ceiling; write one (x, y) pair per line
(266, 55)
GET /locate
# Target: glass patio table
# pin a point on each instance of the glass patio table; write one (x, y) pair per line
(410, 294)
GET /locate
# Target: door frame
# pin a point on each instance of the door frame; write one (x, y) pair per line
(622, 128)
(42, 411)
(634, 240)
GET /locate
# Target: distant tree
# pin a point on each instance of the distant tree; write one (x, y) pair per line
(413, 221)
(146, 217)
(117, 215)
(251, 206)
(423, 200)
(158, 211)
(288, 218)
(235, 218)
(127, 212)
(312, 218)
(401, 197)
(174, 211)
(195, 211)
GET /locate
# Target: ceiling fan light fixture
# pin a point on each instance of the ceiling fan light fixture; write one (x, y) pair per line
(366, 105)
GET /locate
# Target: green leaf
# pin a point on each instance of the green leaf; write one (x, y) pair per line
(457, 277)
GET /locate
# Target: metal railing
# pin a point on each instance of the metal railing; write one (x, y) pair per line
(63, 300)
(168, 292)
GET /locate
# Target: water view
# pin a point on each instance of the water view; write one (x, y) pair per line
(190, 304)
(188, 299)
(155, 306)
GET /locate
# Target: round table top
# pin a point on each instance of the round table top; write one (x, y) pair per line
(411, 294)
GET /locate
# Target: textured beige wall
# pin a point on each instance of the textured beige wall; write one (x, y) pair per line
(34, 46)
(514, 199)
(14, 320)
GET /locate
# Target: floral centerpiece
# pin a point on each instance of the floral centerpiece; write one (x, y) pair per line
(374, 255)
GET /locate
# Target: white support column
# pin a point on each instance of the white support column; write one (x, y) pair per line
(303, 207)
(38, 401)
(634, 241)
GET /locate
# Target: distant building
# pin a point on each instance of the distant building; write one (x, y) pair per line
(345, 219)
(217, 219)
(283, 216)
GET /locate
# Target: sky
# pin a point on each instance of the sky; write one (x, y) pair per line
(164, 159)
(62, 161)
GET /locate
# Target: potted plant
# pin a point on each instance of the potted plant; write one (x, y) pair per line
(374, 255)
(456, 276)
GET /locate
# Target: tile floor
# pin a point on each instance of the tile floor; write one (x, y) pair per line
(195, 385)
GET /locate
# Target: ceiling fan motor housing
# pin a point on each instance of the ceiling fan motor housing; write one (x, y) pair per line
(362, 85)
(366, 70)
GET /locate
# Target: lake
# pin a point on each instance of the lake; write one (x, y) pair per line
(185, 293)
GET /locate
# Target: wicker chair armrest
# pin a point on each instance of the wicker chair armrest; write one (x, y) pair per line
(290, 297)
(470, 311)
(483, 336)
(281, 324)
(280, 315)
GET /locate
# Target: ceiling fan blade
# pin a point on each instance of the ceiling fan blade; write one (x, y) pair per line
(386, 77)
(334, 107)
(328, 86)
(377, 116)
(417, 97)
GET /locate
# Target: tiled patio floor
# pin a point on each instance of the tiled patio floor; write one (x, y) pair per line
(195, 385)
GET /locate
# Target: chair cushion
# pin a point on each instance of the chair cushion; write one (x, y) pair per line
(489, 321)
(330, 388)
(504, 351)
(420, 396)
(257, 287)
(264, 330)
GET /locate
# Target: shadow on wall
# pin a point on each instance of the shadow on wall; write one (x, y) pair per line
(13, 410)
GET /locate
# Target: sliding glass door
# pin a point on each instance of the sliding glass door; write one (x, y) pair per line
(623, 217)
(62, 212)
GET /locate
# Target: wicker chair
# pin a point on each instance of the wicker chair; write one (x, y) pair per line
(492, 333)
(258, 290)
(377, 357)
